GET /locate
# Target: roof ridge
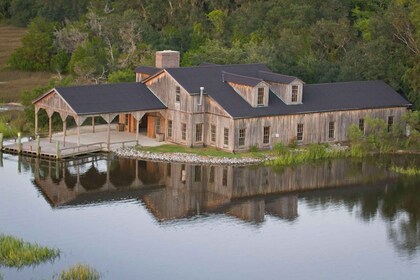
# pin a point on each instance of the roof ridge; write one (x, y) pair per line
(97, 85)
(346, 82)
(239, 75)
(216, 66)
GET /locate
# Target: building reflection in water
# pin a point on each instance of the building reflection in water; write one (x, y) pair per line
(175, 191)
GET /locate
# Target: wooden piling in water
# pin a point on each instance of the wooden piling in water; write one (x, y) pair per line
(19, 143)
(1, 141)
(38, 146)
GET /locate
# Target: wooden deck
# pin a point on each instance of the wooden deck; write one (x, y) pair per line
(89, 143)
(49, 150)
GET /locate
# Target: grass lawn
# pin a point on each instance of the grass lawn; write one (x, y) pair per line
(205, 151)
(13, 82)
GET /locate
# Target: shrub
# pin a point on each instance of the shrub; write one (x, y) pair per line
(280, 148)
(253, 149)
(293, 144)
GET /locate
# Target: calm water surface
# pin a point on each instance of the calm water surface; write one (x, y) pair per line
(132, 219)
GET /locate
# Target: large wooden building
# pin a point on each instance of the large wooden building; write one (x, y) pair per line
(235, 107)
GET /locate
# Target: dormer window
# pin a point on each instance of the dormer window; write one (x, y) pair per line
(177, 94)
(260, 97)
(295, 91)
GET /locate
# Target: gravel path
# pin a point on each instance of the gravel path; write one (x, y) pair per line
(131, 152)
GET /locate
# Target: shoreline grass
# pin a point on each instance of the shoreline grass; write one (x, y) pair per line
(15, 252)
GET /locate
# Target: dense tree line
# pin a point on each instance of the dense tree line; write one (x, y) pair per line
(317, 40)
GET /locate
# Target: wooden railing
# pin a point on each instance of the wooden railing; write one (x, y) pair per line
(82, 148)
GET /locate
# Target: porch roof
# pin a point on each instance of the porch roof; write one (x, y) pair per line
(108, 98)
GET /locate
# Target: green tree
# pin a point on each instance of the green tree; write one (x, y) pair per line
(37, 47)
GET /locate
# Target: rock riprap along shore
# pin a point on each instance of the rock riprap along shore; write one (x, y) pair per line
(131, 152)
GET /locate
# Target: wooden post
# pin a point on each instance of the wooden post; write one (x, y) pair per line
(1, 141)
(137, 129)
(109, 133)
(38, 146)
(36, 122)
(78, 130)
(19, 143)
(64, 132)
(57, 150)
(93, 124)
(50, 127)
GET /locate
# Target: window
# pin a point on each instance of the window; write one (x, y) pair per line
(197, 173)
(177, 94)
(226, 136)
(213, 133)
(299, 136)
(295, 90)
(362, 125)
(211, 179)
(184, 131)
(169, 128)
(199, 132)
(331, 130)
(390, 123)
(224, 177)
(266, 135)
(241, 136)
(260, 97)
(157, 125)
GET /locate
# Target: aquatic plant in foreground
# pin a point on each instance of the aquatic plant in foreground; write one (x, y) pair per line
(410, 171)
(79, 272)
(15, 252)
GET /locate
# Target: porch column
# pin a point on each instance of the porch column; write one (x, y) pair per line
(36, 121)
(78, 130)
(137, 130)
(64, 132)
(109, 132)
(50, 127)
(93, 124)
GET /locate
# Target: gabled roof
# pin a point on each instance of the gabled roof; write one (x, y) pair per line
(316, 97)
(109, 98)
(149, 70)
(239, 79)
(277, 78)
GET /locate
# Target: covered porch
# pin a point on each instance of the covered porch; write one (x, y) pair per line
(88, 104)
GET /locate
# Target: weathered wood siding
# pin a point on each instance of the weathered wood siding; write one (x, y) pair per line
(284, 91)
(250, 94)
(190, 112)
(315, 126)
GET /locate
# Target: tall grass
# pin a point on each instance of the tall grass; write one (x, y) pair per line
(312, 152)
(79, 272)
(14, 252)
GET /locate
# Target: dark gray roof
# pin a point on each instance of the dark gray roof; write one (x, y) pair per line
(274, 77)
(239, 79)
(110, 98)
(316, 97)
(149, 70)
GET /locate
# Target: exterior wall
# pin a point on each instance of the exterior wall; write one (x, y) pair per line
(141, 76)
(315, 126)
(189, 111)
(167, 59)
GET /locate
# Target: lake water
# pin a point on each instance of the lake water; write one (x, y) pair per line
(131, 219)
